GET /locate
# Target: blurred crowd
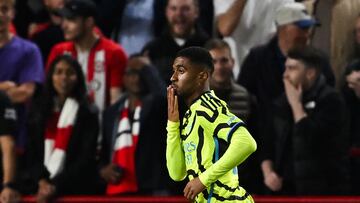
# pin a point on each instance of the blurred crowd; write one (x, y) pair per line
(83, 106)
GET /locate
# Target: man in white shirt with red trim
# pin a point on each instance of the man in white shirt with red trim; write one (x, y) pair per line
(103, 61)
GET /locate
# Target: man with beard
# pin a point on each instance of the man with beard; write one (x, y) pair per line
(262, 70)
(305, 149)
(103, 61)
(182, 31)
(239, 102)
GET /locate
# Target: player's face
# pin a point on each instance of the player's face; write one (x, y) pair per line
(223, 65)
(181, 16)
(64, 78)
(74, 29)
(185, 78)
(6, 14)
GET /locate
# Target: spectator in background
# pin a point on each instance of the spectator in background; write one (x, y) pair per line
(222, 82)
(246, 24)
(48, 33)
(21, 68)
(132, 23)
(305, 151)
(351, 93)
(24, 16)
(239, 102)
(63, 129)
(182, 31)
(133, 151)
(335, 35)
(103, 61)
(262, 70)
(9, 191)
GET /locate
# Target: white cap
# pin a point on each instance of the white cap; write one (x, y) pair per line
(294, 13)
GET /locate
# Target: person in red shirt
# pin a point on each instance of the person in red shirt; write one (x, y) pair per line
(103, 61)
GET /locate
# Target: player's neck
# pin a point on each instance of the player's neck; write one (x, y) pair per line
(196, 95)
(5, 38)
(87, 42)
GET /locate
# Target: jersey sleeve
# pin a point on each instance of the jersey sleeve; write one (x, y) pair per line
(241, 145)
(175, 160)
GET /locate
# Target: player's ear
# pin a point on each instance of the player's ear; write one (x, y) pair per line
(204, 75)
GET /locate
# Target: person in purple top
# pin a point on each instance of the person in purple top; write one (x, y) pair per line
(21, 67)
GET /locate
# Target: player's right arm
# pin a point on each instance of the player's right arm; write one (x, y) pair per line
(175, 160)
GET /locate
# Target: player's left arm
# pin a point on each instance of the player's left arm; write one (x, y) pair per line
(241, 145)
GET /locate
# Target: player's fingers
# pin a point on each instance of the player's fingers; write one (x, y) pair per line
(188, 195)
(169, 97)
(168, 94)
(186, 191)
(192, 196)
(176, 105)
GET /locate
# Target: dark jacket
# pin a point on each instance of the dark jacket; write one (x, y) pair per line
(261, 74)
(312, 153)
(353, 104)
(162, 51)
(80, 164)
(150, 161)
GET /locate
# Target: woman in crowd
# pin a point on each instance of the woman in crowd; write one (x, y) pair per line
(63, 129)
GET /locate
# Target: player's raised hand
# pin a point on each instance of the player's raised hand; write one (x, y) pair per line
(173, 107)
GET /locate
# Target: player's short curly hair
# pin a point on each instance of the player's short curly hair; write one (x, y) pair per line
(198, 56)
